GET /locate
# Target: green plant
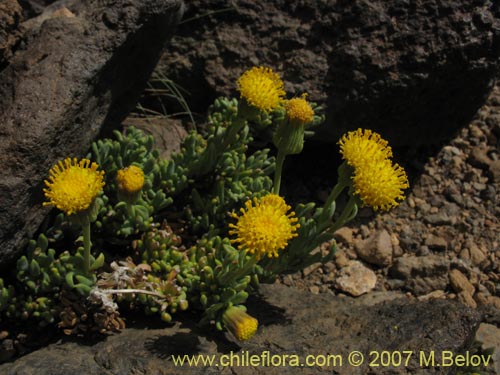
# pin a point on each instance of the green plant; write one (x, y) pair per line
(199, 230)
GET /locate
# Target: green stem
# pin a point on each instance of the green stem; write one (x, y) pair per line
(232, 132)
(280, 158)
(86, 247)
(337, 189)
(131, 212)
(239, 273)
(329, 206)
(345, 216)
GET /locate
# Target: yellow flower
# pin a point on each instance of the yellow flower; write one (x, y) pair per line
(363, 146)
(264, 227)
(261, 88)
(73, 185)
(239, 323)
(380, 184)
(130, 180)
(299, 111)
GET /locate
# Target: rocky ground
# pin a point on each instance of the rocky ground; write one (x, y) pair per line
(442, 242)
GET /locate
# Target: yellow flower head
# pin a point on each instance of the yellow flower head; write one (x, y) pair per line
(73, 185)
(261, 88)
(239, 323)
(299, 110)
(380, 184)
(130, 180)
(363, 146)
(265, 226)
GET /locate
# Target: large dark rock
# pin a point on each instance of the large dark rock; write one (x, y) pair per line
(76, 71)
(292, 322)
(413, 70)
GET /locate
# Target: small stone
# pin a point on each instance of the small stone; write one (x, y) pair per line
(479, 158)
(476, 255)
(423, 250)
(7, 350)
(365, 231)
(420, 285)
(489, 337)
(377, 249)
(459, 282)
(435, 294)
(397, 251)
(430, 265)
(475, 131)
(464, 254)
(344, 235)
(356, 279)
(288, 280)
(481, 298)
(341, 260)
(467, 299)
(314, 289)
(394, 240)
(168, 133)
(329, 267)
(436, 243)
(494, 301)
(422, 274)
(63, 12)
(494, 170)
(440, 218)
(310, 269)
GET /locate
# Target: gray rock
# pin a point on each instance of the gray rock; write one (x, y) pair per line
(376, 249)
(408, 267)
(422, 274)
(385, 64)
(440, 218)
(292, 322)
(168, 133)
(436, 243)
(70, 76)
(421, 285)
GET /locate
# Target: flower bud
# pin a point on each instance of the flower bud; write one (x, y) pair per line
(239, 323)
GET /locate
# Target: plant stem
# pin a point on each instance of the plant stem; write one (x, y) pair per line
(280, 158)
(86, 247)
(234, 275)
(345, 215)
(337, 189)
(329, 206)
(131, 211)
(232, 132)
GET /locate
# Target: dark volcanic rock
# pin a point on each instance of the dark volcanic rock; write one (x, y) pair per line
(70, 76)
(413, 70)
(292, 322)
